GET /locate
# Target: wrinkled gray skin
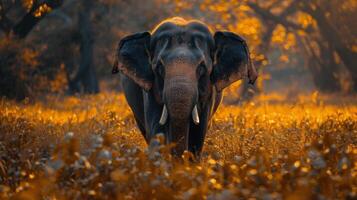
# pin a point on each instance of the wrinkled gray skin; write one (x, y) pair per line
(180, 65)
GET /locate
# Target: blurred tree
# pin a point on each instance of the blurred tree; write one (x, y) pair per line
(320, 29)
(20, 69)
(322, 65)
(86, 76)
(74, 45)
(320, 42)
(333, 29)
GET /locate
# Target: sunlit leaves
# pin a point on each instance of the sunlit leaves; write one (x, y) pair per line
(42, 9)
(305, 20)
(282, 37)
(349, 5)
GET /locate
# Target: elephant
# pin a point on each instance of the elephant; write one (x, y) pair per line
(173, 78)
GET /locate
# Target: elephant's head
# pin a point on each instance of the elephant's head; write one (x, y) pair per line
(180, 61)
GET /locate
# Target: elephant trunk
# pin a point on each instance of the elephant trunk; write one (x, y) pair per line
(180, 96)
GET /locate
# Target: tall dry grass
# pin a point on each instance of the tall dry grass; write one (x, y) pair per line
(89, 148)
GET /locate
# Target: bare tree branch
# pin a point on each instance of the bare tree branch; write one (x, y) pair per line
(29, 21)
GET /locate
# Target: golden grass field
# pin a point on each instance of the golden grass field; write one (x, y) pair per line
(89, 148)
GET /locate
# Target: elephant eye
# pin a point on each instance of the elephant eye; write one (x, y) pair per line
(201, 69)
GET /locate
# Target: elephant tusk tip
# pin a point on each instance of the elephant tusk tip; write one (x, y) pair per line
(195, 116)
(197, 122)
(164, 116)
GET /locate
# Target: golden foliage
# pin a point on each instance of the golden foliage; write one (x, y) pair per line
(42, 9)
(59, 82)
(29, 57)
(26, 76)
(90, 148)
(234, 16)
(282, 37)
(305, 20)
(349, 5)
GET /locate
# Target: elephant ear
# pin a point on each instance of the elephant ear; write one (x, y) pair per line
(232, 60)
(133, 59)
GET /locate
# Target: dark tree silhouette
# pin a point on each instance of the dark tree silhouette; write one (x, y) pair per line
(85, 80)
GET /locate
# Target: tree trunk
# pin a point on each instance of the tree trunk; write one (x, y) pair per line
(30, 20)
(85, 79)
(348, 57)
(322, 67)
(323, 77)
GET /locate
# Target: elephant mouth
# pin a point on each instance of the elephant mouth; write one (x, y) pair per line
(178, 128)
(165, 115)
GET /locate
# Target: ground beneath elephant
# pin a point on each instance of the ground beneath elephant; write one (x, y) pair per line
(89, 147)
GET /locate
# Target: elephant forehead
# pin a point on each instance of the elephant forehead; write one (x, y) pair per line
(192, 28)
(177, 22)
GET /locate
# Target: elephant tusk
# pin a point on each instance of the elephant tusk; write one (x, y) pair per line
(163, 117)
(195, 117)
